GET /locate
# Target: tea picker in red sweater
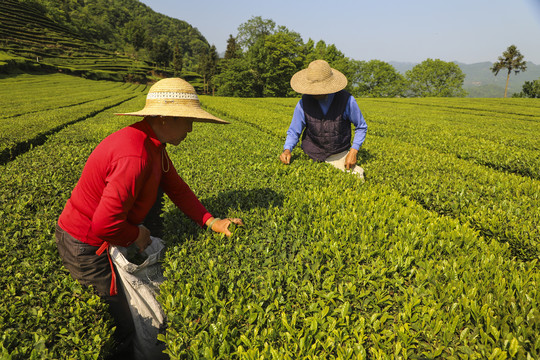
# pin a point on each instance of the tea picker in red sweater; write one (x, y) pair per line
(117, 188)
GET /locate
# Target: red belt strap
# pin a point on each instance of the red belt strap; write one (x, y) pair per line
(102, 248)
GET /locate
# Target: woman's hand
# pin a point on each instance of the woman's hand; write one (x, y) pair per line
(144, 239)
(222, 225)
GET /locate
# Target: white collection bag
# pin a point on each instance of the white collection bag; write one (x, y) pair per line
(141, 284)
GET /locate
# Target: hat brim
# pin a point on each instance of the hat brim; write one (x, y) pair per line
(195, 114)
(301, 84)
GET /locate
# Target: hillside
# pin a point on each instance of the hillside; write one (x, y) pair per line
(113, 39)
(481, 82)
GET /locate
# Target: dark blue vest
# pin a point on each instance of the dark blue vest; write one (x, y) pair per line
(328, 134)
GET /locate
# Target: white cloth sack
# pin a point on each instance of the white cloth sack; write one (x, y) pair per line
(338, 161)
(141, 284)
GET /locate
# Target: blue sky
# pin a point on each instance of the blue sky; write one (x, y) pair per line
(467, 31)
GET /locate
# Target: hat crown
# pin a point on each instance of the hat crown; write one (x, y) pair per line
(172, 88)
(318, 70)
(319, 78)
(175, 97)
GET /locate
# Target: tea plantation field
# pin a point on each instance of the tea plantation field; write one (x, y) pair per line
(434, 256)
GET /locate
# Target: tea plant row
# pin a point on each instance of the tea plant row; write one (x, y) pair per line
(506, 142)
(328, 266)
(59, 101)
(502, 205)
(50, 92)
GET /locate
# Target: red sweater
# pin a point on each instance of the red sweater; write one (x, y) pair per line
(119, 185)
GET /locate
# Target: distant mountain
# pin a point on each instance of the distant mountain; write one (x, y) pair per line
(480, 80)
(479, 76)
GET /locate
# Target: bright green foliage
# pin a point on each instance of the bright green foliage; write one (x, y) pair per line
(236, 78)
(271, 56)
(496, 135)
(254, 30)
(329, 267)
(434, 256)
(458, 157)
(280, 53)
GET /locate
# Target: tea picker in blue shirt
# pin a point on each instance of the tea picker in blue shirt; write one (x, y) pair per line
(323, 117)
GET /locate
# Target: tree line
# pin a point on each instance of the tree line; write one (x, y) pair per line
(262, 58)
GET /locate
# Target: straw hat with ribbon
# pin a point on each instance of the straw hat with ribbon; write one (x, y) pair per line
(318, 79)
(175, 97)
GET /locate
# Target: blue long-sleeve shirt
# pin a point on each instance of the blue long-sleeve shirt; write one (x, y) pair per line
(352, 113)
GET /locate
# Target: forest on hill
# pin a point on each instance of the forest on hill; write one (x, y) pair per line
(99, 39)
(127, 26)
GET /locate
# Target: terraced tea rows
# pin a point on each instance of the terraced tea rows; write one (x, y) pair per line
(55, 104)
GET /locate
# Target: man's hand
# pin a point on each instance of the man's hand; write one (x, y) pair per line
(143, 240)
(350, 160)
(222, 225)
(285, 157)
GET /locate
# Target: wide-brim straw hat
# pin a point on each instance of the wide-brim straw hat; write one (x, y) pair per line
(175, 97)
(318, 79)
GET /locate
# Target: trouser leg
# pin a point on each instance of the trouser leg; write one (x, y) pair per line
(125, 330)
(91, 269)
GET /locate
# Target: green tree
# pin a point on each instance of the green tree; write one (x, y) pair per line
(135, 34)
(435, 78)
(236, 78)
(208, 67)
(177, 61)
(253, 30)
(378, 79)
(232, 51)
(512, 60)
(531, 89)
(276, 58)
(334, 57)
(214, 61)
(272, 54)
(161, 52)
(321, 51)
(268, 56)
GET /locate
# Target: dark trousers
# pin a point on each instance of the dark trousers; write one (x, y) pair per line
(90, 269)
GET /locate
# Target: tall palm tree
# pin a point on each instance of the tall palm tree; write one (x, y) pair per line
(511, 59)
